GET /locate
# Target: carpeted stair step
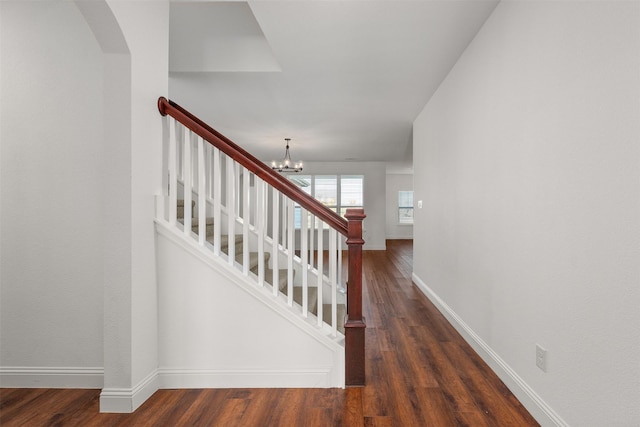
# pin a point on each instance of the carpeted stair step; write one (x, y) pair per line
(253, 259)
(312, 302)
(326, 315)
(180, 206)
(224, 241)
(195, 226)
(224, 238)
(268, 275)
(312, 299)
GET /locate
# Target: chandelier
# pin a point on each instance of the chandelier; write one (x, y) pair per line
(286, 164)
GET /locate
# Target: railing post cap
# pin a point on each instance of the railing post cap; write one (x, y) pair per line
(355, 214)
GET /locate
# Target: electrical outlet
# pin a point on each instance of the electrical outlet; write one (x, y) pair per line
(541, 358)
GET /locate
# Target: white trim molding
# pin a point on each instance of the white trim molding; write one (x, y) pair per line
(540, 410)
(51, 377)
(127, 400)
(245, 378)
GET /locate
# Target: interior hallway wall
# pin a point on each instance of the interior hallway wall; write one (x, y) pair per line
(51, 271)
(530, 231)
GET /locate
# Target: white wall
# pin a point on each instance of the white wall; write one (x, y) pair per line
(531, 227)
(81, 164)
(51, 152)
(397, 182)
(374, 195)
(146, 29)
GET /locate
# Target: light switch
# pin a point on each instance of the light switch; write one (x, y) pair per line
(419, 204)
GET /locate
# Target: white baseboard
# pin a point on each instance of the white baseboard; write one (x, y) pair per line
(538, 408)
(374, 247)
(213, 378)
(399, 237)
(51, 377)
(127, 400)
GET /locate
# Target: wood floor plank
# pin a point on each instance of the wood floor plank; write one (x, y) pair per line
(198, 411)
(60, 403)
(352, 413)
(317, 417)
(486, 391)
(419, 372)
(289, 410)
(378, 422)
(434, 407)
(259, 410)
(14, 401)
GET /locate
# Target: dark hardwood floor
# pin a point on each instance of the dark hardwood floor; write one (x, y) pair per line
(420, 372)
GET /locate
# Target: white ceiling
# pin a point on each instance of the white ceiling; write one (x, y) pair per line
(343, 79)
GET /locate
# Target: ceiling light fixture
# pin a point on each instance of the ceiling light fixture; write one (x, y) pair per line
(286, 164)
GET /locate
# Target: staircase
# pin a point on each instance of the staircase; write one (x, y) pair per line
(240, 214)
(298, 291)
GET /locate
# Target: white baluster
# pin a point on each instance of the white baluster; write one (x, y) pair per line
(236, 188)
(231, 211)
(245, 221)
(217, 194)
(202, 201)
(283, 217)
(180, 130)
(320, 274)
(275, 221)
(166, 135)
(260, 212)
(173, 172)
(194, 161)
(333, 258)
(290, 250)
(208, 152)
(312, 238)
(253, 201)
(186, 172)
(340, 281)
(304, 258)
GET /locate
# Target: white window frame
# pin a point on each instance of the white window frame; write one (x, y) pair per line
(337, 207)
(405, 208)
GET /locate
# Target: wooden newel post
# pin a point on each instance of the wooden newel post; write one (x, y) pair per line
(354, 325)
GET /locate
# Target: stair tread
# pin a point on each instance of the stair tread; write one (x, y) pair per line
(253, 259)
(312, 291)
(312, 298)
(195, 222)
(180, 206)
(326, 315)
(268, 276)
(224, 239)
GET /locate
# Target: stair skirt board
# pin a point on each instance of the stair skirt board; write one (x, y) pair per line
(268, 274)
(326, 370)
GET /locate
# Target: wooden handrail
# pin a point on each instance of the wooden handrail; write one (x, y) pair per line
(254, 165)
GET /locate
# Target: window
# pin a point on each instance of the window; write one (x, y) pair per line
(350, 193)
(337, 192)
(405, 207)
(326, 191)
(304, 182)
